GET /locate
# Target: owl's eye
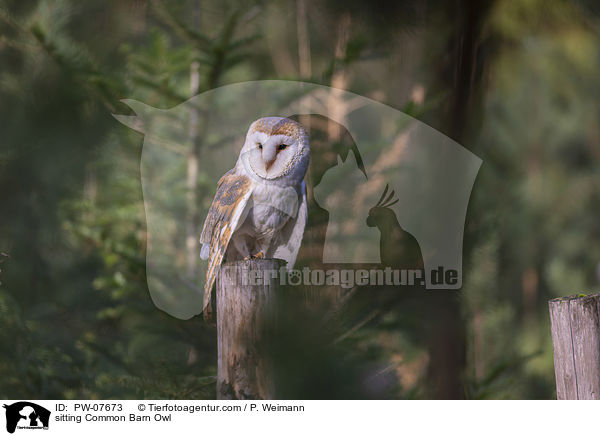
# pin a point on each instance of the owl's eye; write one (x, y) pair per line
(281, 146)
(260, 146)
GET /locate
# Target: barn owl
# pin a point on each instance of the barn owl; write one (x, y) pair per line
(260, 207)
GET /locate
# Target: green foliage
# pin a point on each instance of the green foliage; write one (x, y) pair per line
(76, 318)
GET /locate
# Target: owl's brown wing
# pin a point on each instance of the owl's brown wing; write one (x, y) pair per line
(228, 206)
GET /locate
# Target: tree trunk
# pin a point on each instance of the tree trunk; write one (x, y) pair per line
(575, 324)
(463, 71)
(246, 292)
(192, 218)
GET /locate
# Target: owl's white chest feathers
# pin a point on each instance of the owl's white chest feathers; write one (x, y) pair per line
(272, 207)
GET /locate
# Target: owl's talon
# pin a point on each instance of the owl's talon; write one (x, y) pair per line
(247, 257)
(258, 255)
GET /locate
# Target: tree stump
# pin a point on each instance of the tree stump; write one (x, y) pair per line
(246, 293)
(575, 324)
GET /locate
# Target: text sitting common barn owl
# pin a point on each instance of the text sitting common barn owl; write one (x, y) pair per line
(260, 207)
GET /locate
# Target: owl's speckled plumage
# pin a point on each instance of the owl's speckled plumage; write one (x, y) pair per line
(278, 126)
(260, 205)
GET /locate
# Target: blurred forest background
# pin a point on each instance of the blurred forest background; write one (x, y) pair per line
(516, 82)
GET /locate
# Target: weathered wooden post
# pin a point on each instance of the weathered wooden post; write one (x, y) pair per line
(575, 324)
(246, 293)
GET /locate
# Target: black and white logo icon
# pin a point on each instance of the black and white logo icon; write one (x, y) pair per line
(26, 415)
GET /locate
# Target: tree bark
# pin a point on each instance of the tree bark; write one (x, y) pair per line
(575, 324)
(246, 293)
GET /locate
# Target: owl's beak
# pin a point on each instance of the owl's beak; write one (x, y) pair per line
(269, 163)
(269, 154)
